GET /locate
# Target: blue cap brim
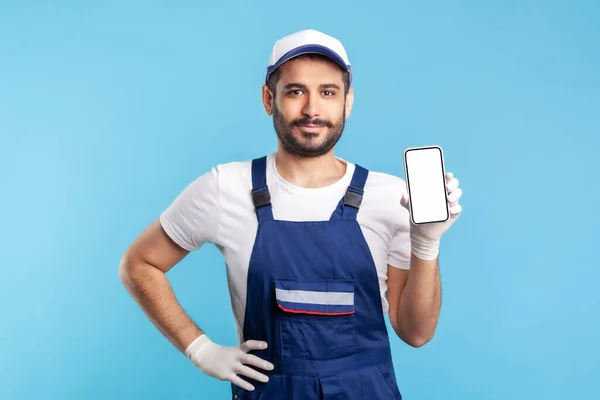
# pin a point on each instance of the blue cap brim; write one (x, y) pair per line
(309, 49)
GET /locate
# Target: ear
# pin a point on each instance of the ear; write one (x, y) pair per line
(267, 99)
(349, 102)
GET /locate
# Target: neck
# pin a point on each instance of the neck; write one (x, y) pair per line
(309, 172)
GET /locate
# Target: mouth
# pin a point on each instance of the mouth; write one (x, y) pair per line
(311, 127)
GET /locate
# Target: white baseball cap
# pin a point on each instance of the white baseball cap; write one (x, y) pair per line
(306, 42)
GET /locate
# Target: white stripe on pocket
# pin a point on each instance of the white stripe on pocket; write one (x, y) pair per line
(312, 297)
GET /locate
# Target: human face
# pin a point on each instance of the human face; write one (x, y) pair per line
(310, 108)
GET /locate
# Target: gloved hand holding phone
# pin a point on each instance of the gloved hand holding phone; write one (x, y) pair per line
(425, 238)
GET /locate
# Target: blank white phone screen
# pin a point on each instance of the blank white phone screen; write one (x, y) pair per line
(426, 185)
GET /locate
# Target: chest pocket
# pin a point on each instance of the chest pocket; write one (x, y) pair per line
(316, 319)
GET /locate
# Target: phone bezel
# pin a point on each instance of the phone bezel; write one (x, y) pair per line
(408, 183)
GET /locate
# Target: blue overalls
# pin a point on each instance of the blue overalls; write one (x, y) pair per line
(313, 296)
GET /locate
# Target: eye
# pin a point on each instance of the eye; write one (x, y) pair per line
(295, 92)
(328, 93)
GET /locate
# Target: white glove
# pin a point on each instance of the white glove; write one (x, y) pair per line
(225, 363)
(425, 239)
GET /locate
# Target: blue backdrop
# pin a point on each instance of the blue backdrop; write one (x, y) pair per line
(108, 110)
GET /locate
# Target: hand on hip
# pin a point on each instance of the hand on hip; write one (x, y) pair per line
(227, 362)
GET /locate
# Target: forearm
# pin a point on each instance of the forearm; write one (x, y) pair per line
(419, 308)
(151, 289)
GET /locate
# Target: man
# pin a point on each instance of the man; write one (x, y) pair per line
(317, 249)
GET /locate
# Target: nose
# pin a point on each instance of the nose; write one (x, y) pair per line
(311, 106)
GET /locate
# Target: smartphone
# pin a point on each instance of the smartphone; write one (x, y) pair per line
(426, 184)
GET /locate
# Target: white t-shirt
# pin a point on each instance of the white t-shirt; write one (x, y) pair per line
(217, 208)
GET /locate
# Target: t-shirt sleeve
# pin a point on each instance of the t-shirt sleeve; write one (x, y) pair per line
(400, 248)
(192, 219)
(399, 254)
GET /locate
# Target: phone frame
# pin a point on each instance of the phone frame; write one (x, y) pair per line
(443, 178)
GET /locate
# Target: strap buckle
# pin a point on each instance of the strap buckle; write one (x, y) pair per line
(353, 197)
(261, 196)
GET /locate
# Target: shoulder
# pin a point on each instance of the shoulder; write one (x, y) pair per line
(234, 172)
(241, 169)
(212, 184)
(216, 176)
(379, 185)
(233, 183)
(381, 200)
(382, 183)
(384, 190)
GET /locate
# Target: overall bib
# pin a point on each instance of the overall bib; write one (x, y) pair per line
(313, 296)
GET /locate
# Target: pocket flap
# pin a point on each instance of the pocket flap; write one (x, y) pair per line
(331, 297)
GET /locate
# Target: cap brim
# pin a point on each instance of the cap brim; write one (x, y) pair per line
(308, 49)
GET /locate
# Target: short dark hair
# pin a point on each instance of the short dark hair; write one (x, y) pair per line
(274, 77)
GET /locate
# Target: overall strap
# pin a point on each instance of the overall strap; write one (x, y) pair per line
(260, 191)
(350, 203)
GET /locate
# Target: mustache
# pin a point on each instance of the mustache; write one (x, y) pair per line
(308, 121)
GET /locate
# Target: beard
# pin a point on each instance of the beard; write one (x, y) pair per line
(311, 147)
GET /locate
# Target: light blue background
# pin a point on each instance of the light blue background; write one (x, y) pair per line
(108, 110)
